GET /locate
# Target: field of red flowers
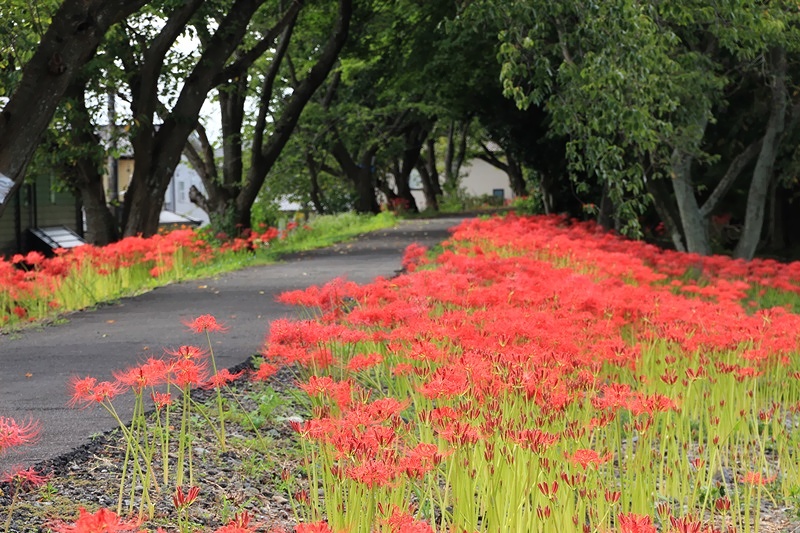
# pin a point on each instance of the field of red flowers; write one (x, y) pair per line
(536, 374)
(543, 375)
(33, 286)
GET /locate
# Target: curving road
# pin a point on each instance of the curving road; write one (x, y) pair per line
(38, 363)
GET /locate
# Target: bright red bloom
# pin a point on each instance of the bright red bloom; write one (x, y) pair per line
(103, 521)
(13, 433)
(25, 478)
(181, 500)
(149, 374)
(586, 457)
(222, 378)
(756, 478)
(313, 527)
(187, 352)
(403, 522)
(88, 391)
(633, 523)
(205, 323)
(239, 524)
(188, 372)
(161, 399)
(264, 372)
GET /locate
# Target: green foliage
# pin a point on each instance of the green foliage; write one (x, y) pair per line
(630, 83)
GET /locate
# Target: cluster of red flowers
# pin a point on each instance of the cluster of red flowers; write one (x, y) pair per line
(518, 326)
(28, 280)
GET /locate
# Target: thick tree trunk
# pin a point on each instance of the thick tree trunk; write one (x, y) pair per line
(69, 42)
(762, 174)
(695, 227)
(157, 151)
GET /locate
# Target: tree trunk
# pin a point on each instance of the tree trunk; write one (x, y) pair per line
(430, 162)
(666, 211)
(157, 151)
(762, 174)
(431, 199)
(516, 179)
(264, 155)
(69, 42)
(695, 227)
(455, 154)
(316, 191)
(605, 215)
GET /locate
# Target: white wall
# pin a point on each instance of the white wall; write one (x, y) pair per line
(479, 178)
(176, 198)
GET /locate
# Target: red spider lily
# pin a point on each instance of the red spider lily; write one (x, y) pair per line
(364, 361)
(161, 399)
(205, 323)
(686, 524)
(313, 527)
(586, 457)
(756, 478)
(102, 521)
(264, 371)
(239, 524)
(183, 500)
(25, 479)
(222, 378)
(403, 522)
(149, 374)
(188, 373)
(187, 352)
(13, 433)
(633, 523)
(88, 391)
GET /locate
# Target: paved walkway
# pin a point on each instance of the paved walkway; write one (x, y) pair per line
(38, 363)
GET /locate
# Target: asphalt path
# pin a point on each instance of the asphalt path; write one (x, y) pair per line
(37, 363)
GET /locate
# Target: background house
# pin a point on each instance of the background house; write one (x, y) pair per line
(38, 205)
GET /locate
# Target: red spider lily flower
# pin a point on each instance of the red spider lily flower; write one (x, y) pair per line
(264, 372)
(239, 524)
(633, 523)
(188, 373)
(161, 399)
(181, 500)
(403, 522)
(149, 374)
(187, 352)
(363, 361)
(756, 478)
(686, 524)
(89, 391)
(420, 460)
(586, 457)
(222, 378)
(722, 504)
(313, 527)
(205, 323)
(13, 433)
(25, 479)
(102, 521)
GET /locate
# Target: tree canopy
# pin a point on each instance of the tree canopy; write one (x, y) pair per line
(679, 115)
